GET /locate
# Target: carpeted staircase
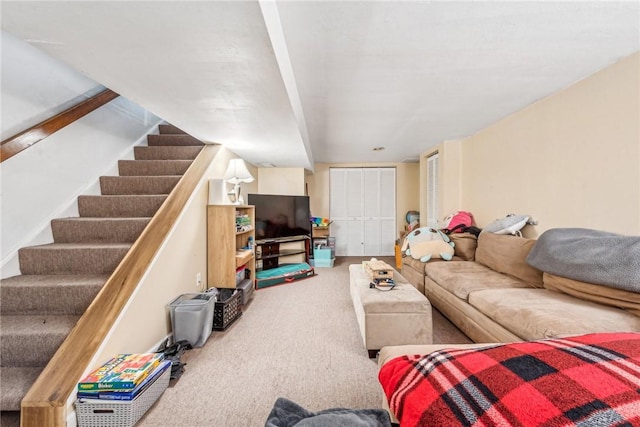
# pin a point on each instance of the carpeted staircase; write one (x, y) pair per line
(59, 280)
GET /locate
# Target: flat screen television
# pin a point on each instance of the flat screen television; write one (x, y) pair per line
(280, 216)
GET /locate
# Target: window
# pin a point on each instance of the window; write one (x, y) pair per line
(432, 190)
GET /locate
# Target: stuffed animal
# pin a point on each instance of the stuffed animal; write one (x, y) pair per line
(511, 224)
(425, 243)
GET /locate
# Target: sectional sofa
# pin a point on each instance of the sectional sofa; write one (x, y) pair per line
(492, 294)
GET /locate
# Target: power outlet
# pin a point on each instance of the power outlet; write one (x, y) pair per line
(199, 281)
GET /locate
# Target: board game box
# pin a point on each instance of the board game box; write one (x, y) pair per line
(123, 372)
(127, 395)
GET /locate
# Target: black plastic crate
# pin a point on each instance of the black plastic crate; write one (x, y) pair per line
(227, 308)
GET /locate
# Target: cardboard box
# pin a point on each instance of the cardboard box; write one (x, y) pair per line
(320, 231)
(378, 270)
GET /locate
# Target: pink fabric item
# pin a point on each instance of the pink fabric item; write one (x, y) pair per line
(460, 217)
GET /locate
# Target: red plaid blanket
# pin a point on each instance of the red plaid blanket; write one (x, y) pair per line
(588, 380)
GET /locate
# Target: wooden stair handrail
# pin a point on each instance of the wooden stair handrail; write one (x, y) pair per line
(15, 144)
(46, 402)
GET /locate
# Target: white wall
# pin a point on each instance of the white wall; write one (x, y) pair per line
(34, 85)
(43, 181)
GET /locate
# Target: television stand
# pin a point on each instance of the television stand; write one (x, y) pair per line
(269, 252)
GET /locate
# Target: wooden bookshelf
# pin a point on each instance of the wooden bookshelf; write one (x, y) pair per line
(224, 242)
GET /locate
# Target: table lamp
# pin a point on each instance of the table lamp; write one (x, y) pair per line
(237, 172)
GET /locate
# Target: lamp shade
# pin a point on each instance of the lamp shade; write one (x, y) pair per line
(237, 172)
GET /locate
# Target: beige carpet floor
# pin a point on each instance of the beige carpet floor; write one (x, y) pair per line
(299, 341)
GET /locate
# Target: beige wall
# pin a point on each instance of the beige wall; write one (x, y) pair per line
(407, 188)
(569, 160)
(286, 181)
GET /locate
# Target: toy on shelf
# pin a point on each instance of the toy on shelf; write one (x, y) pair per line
(320, 222)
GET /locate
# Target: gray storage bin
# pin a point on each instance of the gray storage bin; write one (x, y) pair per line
(192, 318)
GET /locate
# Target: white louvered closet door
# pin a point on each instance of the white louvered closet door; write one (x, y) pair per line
(362, 208)
(355, 208)
(346, 210)
(388, 232)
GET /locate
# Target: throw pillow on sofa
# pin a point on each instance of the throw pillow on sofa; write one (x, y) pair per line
(465, 245)
(508, 254)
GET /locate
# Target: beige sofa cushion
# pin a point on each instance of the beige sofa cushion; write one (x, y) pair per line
(541, 313)
(634, 312)
(590, 292)
(507, 254)
(463, 277)
(465, 245)
(418, 265)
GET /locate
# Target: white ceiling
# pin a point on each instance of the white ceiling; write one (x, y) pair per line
(291, 83)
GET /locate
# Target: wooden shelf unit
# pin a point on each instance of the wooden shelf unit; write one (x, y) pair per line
(223, 241)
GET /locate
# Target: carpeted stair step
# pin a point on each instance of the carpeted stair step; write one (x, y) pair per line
(49, 294)
(31, 341)
(10, 418)
(172, 139)
(72, 258)
(16, 382)
(152, 167)
(122, 185)
(170, 129)
(166, 153)
(128, 206)
(97, 230)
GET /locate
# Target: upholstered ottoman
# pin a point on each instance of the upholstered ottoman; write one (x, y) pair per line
(396, 317)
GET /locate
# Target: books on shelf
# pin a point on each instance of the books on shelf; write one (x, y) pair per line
(130, 394)
(243, 222)
(122, 373)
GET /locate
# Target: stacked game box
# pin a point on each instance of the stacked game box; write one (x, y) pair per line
(123, 377)
(119, 392)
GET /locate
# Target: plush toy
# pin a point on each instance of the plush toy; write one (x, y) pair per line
(426, 243)
(511, 224)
